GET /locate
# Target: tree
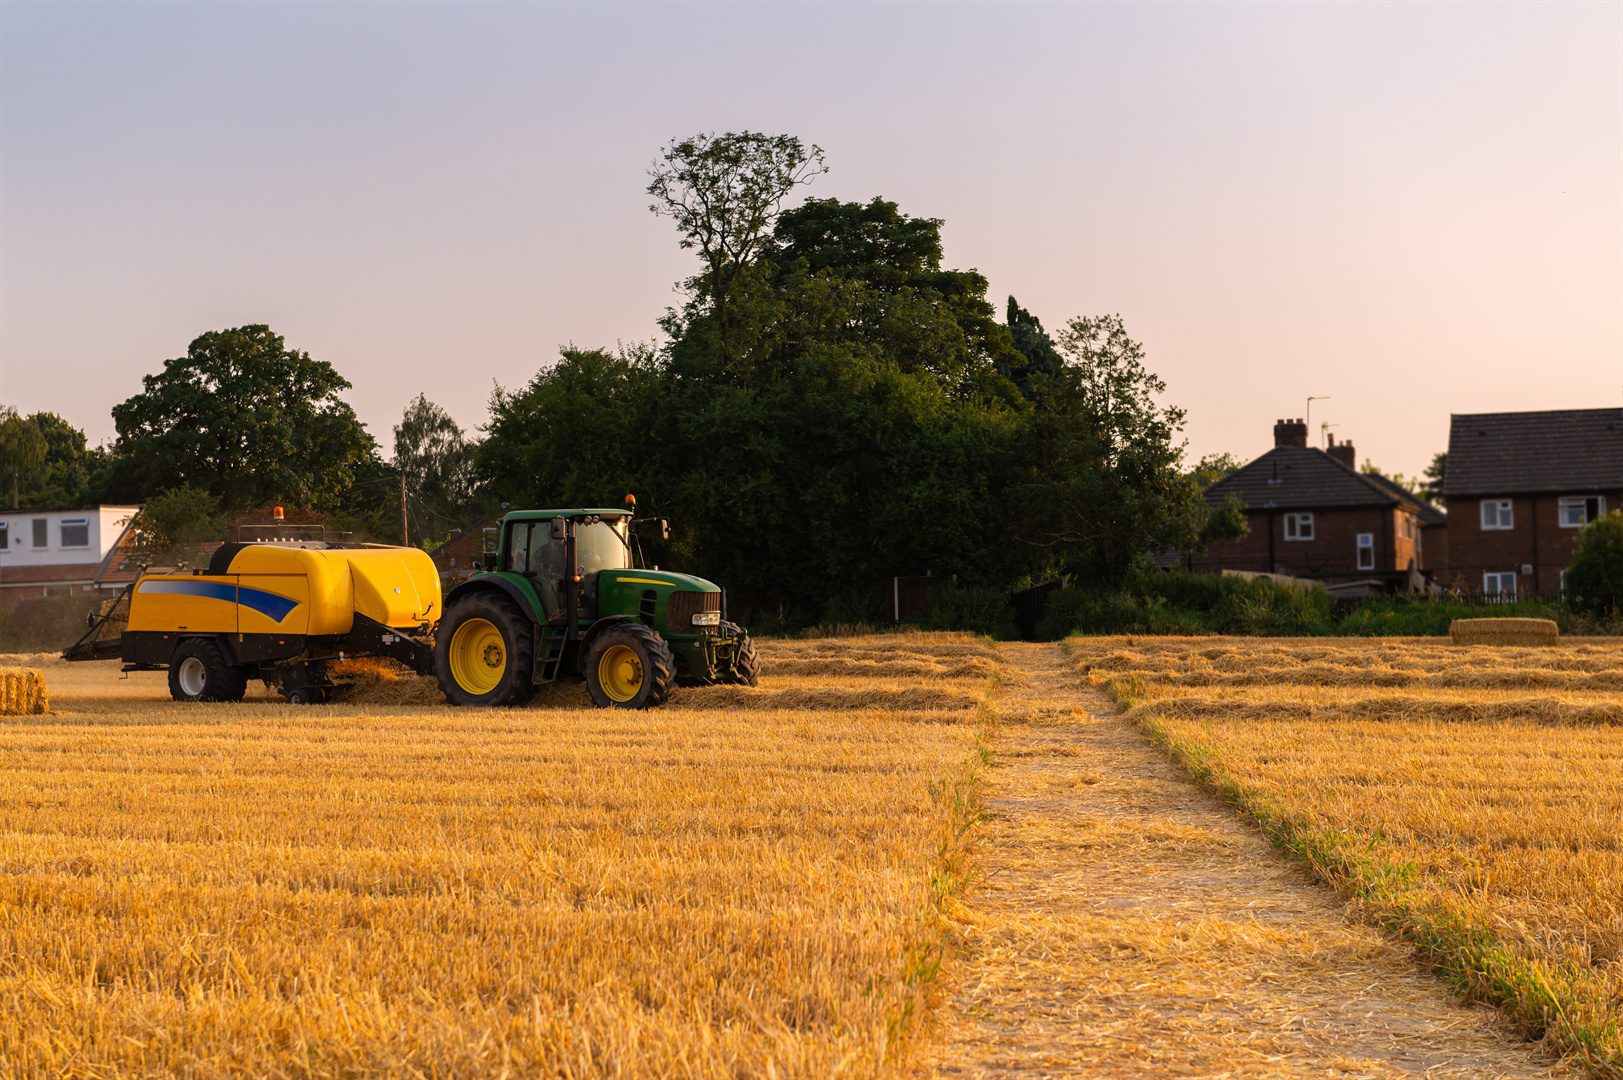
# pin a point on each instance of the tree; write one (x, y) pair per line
(724, 193)
(1435, 473)
(1043, 361)
(1106, 483)
(72, 472)
(578, 434)
(1407, 483)
(244, 418)
(22, 450)
(436, 459)
(1594, 581)
(171, 524)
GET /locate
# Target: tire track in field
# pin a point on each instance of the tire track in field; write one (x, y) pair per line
(1124, 923)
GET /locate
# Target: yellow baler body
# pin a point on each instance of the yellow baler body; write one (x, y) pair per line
(285, 591)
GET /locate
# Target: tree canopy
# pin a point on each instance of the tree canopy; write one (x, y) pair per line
(833, 405)
(244, 418)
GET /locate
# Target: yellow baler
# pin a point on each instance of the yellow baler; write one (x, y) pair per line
(277, 612)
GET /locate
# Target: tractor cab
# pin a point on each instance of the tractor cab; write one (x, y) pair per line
(538, 548)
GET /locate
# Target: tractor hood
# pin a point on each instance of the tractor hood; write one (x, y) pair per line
(652, 579)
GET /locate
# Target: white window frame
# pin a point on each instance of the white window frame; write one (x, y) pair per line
(1299, 526)
(1366, 551)
(1581, 503)
(1503, 517)
(1493, 584)
(62, 537)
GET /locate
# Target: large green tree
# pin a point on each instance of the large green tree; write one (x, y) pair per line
(724, 193)
(244, 418)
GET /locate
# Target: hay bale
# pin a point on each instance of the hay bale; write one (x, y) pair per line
(22, 692)
(1504, 632)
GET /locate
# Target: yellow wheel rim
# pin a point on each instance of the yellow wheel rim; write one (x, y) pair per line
(619, 672)
(478, 656)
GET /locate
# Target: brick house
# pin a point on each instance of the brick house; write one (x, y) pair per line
(1312, 514)
(1519, 487)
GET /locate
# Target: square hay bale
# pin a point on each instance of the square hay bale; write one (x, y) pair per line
(1504, 632)
(22, 692)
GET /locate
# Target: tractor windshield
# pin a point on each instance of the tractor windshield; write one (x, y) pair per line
(602, 545)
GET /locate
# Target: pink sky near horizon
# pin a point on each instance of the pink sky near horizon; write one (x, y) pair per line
(1413, 209)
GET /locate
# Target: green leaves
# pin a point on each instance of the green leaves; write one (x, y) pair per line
(245, 418)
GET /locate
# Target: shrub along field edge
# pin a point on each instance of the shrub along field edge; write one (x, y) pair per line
(1547, 999)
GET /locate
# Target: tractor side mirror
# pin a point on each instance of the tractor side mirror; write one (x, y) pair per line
(557, 528)
(664, 528)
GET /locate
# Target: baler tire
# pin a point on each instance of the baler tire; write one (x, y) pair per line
(745, 670)
(221, 681)
(653, 658)
(516, 684)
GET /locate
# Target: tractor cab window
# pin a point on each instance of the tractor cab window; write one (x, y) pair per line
(602, 544)
(533, 552)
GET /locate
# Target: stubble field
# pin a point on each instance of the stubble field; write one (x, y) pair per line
(745, 882)
(1470, 799)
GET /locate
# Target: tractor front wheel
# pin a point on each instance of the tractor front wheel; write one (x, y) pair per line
(629, 666)
(484, 652)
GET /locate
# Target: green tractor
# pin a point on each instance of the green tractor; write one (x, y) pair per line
(565, 593)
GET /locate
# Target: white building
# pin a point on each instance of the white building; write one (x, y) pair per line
(51, 552)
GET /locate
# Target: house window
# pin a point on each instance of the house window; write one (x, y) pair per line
(1298, 526)
(1366, 551)
(1576, 511)
(1496, 514)
(75, 532)
(1501, 585)
(42, 536)
(5, 535)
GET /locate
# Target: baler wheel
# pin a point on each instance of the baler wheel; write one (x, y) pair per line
(198, 672)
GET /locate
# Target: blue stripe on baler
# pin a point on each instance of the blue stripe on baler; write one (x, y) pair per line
(270, 604)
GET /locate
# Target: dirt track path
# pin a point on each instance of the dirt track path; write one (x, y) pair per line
(1127, 924)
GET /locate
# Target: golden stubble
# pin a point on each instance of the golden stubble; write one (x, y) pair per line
(1470, 798)
(743, 882)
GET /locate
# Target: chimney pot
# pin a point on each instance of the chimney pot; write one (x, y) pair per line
(1290, 433)
(1344, 453)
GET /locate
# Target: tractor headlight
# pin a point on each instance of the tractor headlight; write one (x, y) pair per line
(707, 618)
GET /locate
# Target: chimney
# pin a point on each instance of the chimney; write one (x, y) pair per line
(1344, 453)
(1290, 433)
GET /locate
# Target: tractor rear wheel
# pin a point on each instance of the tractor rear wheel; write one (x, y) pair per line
(629, 666)
(484, 652)
(198, 671)
(745, 669)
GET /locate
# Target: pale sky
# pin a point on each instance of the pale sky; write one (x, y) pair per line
(1414, 209)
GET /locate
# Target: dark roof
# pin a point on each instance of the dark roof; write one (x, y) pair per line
(1560, 451)
(1304, 478)
(1429, 514)
(47, 574)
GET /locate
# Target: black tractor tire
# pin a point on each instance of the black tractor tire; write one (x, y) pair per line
(199, 671)
(508, 664)
(646, 670)
(745, 670)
